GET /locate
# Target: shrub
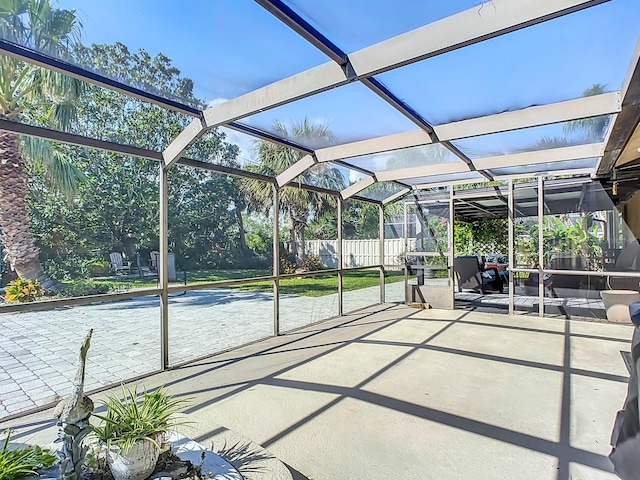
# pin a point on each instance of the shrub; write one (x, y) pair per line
(23, 290)
(20, 462)
(312, 263)
(286, 265)
(69, 267)
(81, 288)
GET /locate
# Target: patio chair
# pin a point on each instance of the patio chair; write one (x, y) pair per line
(118, 264)
(473, 276)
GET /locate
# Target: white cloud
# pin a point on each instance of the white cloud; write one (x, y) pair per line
(355, 176)
(216, 101)
(380, 161)
(244, 142)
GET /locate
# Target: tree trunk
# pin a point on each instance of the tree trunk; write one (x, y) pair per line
(301, 249)
(17, 238)
(242, 239)
(298, 224)
(293, 246)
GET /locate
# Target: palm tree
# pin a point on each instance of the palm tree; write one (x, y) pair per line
(593, 128)
(298, 203)
(418, 157)
(580, 131)
(36, 95)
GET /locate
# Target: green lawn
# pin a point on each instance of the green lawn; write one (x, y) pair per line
(309, 286)
(325, 284)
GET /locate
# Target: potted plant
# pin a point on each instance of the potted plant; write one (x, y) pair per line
(132, 429)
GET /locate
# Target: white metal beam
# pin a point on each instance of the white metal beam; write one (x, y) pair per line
(633, 66)
(374, 145)
(395, 196)
(360, 185)
(422, 171)
(423, 186)
(466, 28)
(550, 155)
(548, 173)
(182, 142)
(627, 120)
(607, 136)
(584, 107)
(304, 84)
(301, 166)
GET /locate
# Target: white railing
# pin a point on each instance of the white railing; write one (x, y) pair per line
(359, 253)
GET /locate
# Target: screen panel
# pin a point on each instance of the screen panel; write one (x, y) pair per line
(341, 115)
(376, 21)
(541, 64)
(230, 66)
(591, 130)
(404, 158)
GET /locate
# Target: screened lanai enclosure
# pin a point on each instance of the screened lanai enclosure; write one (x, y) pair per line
(553, 245)
(187, 182)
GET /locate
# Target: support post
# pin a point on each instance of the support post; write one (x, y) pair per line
(451, 243)
(340, 262)
(163, 267)
(382, 292)
(406, 249)
(276, 261)
(540, 247)
(511, 261)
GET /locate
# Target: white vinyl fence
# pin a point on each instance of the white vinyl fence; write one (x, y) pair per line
(359, 253)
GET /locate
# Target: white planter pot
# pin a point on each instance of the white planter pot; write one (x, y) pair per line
(137, 464)
(616, 304)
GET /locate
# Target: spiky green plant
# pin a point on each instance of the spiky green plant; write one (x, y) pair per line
(132, 418)
(20, 462)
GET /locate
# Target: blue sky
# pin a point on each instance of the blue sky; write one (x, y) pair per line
(230, 47)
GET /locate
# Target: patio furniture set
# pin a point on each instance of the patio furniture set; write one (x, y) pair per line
(120, 266)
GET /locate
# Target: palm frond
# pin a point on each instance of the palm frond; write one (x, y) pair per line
(591, 128)
(327, 177)
(12, 26)
(274, 159)
(60, 173)
(37, 24)
(61, 115)
(552, 142)
(52, 30)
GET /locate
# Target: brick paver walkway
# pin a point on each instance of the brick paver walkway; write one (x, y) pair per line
(38, 350)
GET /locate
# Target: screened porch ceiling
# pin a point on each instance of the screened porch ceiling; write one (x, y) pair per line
(575, 194)
(421, 95)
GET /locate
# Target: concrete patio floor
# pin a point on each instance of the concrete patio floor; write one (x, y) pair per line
(392, 392)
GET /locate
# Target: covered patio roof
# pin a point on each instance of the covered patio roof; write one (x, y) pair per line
(403, 98)
(561, 196)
